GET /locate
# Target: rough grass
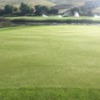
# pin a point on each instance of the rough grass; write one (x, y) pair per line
(50, 63)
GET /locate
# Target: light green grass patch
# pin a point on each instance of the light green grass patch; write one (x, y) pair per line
(54, 57)
(53, 18)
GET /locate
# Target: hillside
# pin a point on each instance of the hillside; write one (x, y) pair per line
(43, 2)
(67, 4)
(31, 2)
(75, 2)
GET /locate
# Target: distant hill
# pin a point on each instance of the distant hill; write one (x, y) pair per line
(44, 2)
(73, 2)
(31, 2)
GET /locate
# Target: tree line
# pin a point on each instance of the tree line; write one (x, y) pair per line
(25, 9)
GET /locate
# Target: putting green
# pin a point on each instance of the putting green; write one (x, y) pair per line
(66, 56)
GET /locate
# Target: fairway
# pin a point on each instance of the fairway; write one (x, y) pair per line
(51, 57)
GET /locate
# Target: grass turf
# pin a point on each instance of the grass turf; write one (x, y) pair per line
(52, 18)
(50, 63)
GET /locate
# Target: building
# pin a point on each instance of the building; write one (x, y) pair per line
(94, 3)
(62, 8)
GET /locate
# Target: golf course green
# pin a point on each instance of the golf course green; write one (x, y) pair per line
(50, 62)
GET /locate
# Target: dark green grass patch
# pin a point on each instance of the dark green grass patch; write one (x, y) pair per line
(49, 94)
(50, 20)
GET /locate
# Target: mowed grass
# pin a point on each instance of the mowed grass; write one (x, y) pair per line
(50, 63)
(53, 18)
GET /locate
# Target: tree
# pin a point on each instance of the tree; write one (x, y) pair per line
(25, 9)
(8, 9)
(16, 9)
(38, 10)
(45, 9)
(53, 11)
(41, 10)
(1, 12)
